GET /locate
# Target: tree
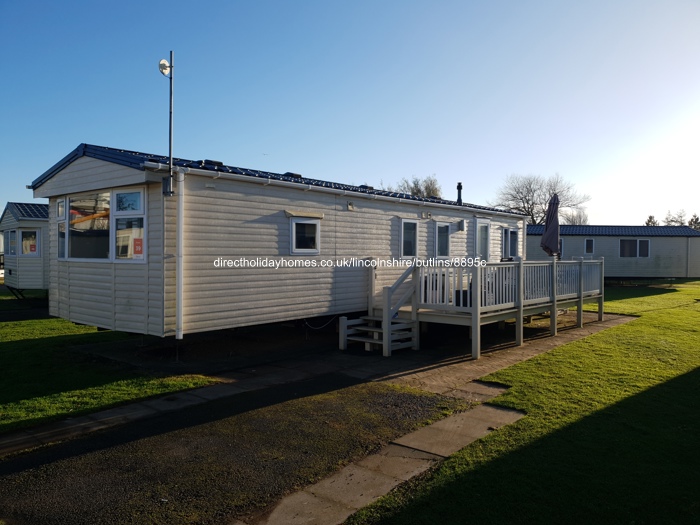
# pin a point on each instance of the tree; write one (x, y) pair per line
(427, 187)
(694, 222)
(651, 221)
(675, 220)
(574, 217)
(530, 194)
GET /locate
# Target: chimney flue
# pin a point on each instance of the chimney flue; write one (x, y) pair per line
(459, 193)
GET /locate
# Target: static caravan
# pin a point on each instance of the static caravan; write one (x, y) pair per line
(233, 247)
(24, 228)
(629, 251)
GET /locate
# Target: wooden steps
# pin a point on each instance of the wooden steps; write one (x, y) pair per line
(403, 333)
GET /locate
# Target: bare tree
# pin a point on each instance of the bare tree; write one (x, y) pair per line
(576, 217)
(675, 220)
(427, 187)
(651, 221)
(530, 194)
(694, 222)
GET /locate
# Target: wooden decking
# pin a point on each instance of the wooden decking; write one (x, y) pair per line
(473, 296)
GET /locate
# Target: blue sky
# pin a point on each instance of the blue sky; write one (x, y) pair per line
(605, 93)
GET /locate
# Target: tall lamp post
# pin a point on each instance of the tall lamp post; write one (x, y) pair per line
(167, 70)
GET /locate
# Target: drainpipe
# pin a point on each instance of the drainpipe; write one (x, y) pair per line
(179, 281)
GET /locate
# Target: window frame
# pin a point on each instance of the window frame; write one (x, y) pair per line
(139, 214)
(404, 222)
(585, 247)
(20, 243)
(439, 225)
(293, 250)
(10, 247)
(480, 223)
(637, 244)
(508, 236)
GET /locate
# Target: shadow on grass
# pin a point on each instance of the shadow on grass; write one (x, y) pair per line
(633, 462)
(619, 293)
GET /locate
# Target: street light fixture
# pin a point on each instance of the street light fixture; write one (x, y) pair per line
(166, 68)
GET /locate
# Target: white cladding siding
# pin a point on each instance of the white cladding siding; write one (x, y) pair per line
(668, 256)
(123, 296)
(26, 272)
(694, 257)
(88, 174)
(247, 221)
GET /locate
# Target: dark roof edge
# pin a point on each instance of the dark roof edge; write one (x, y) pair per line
(135, 160)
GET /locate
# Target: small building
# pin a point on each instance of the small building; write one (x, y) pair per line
(235, 247)
(24, 229)
(642, 252)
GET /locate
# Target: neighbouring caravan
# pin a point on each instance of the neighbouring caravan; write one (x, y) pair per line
(24, 229)
(645, 252)
(234, 247)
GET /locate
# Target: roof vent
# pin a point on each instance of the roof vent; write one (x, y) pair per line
(293, 175)
(213, 162)
(366, 187)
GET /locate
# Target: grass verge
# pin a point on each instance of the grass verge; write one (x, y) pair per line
(609, 435)
(42, 378)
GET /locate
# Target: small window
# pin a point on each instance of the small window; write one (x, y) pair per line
(60, 209)
(129, 238)
(588, 248)
(11, 242)
(509, 243)
(305, 234)
(482, 238)
(409, 238)
(29, 243)
(128, 202)
(61, 240)
(644, 247)
(442, 239)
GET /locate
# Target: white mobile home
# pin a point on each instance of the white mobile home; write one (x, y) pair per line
(629, 251)
(235, 247)
(24, 229)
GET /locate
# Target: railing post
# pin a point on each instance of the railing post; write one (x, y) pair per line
(520, 304)
(579, 308)
(553, 312)
(476, 313)
(414, 307)
(371, 282)
(601, 300)
(386, 321)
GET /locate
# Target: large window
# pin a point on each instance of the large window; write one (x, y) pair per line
(442, 239)
(88, 226)
(409, 238)
(305, 235)
(104, 225)
(634, 247)
(24, 243)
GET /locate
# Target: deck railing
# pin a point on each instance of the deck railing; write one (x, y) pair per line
(452, 289)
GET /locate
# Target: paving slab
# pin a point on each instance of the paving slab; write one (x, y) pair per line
(399, 462)
(174, 402)
(303, 508)
(211, 393)
(354, 486)
(449, 435)
(123, 414)
(496, 416)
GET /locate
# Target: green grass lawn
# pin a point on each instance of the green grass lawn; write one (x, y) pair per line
(43, 378)
(610, 435)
